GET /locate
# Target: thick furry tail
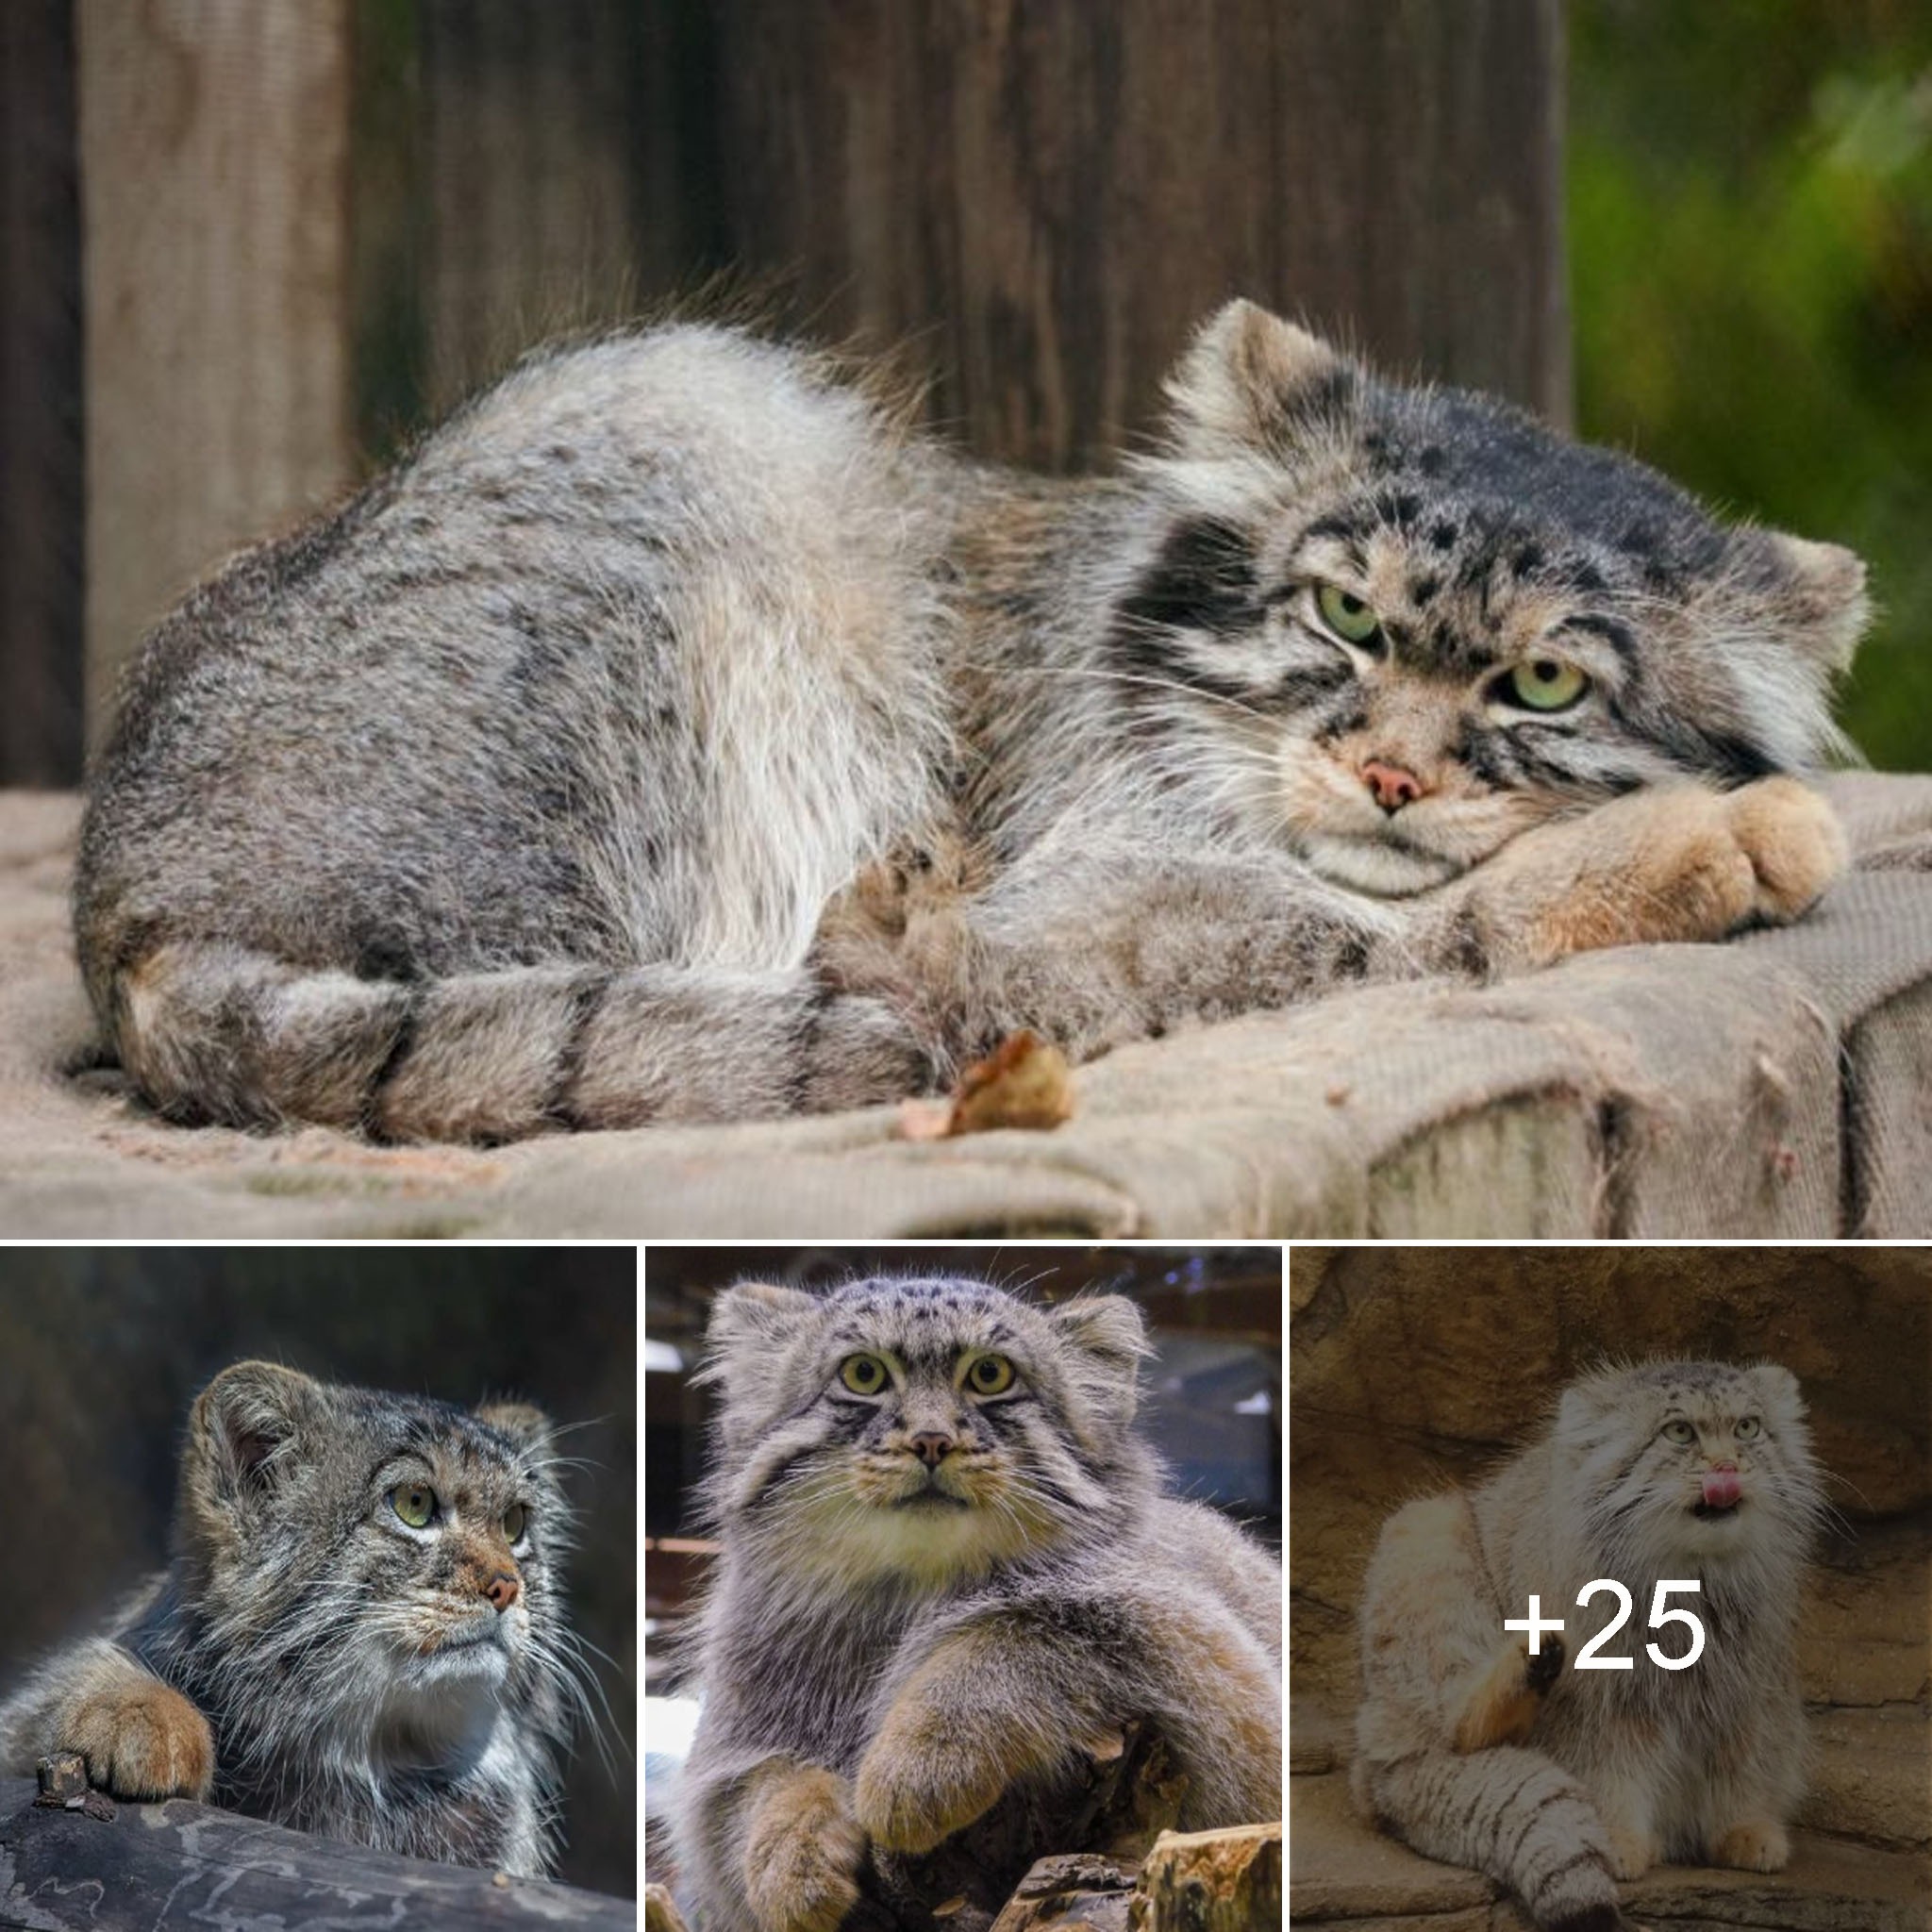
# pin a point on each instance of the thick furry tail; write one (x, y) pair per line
(216, 1033)
(1510, 1813)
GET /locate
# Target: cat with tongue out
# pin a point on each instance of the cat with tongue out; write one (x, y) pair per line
(1561, 1771)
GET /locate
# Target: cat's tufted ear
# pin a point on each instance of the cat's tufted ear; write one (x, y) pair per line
(526, 1425)
(1815, 592)
(756, 1317)
(244, 1430)
(1246, 379)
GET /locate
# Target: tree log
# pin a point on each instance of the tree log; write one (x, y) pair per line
(192, 1863)
(1211, 1881)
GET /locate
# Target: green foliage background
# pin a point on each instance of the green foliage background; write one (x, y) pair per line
(1750, 227)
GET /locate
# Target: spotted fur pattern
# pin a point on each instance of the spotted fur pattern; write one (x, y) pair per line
(1558, 1782)
(312, 1658)
(676, 734)
(928, 1596)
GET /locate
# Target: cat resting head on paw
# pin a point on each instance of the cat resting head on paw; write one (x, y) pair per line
(1423, 622)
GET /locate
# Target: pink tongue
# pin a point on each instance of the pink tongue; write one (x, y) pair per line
(1722, 1487)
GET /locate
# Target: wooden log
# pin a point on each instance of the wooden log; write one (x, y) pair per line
(1211, 1881)
(661, 1911)
(187, 1864)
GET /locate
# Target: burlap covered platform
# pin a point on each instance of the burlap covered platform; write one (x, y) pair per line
(1777, 1086)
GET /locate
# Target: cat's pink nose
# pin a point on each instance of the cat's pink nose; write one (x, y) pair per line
(502, 1590)
(1392, 786)
(1721, 1484)
(929, 1446)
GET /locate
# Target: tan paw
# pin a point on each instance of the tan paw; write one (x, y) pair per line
(801, 1852)
(146, 1741)
(1793, 840)
(913, 1792)
(1758, 1844)
(1632, 1853)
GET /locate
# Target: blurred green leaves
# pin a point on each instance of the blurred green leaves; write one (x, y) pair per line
(1750, 203)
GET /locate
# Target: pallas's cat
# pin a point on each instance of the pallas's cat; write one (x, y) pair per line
(677, 733)
(1559, 1781)
(949, 1575)
(360, 1633)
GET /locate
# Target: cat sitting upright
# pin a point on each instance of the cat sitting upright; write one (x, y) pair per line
(678, 734)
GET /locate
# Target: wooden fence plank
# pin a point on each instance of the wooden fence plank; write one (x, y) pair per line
(39, 400)
(187, 1864)
(213, 139)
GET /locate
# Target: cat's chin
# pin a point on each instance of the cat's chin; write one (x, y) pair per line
(1375, 867)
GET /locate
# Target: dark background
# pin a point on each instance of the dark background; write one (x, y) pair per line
(102, 1351)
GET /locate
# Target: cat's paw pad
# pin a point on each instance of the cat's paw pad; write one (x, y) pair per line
(1758, 1844)
(1541, 1671)
(146, 1741)
(1632, 1853)
(1793, 840)
(802, 1854)
(911, 1798)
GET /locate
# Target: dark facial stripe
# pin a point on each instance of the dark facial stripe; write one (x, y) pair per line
(1202, 580)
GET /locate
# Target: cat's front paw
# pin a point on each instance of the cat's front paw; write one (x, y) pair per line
(1633, 1851)
(803, 1851)
(915, 1789)
(1756, 1845)
(146, 1740)
(1793, 840)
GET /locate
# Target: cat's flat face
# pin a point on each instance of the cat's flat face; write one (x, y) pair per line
(398, 1554)
(923, 1430)
(1697, 1462)
(1413, 622)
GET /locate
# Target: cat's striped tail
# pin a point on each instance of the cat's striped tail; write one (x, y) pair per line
(1510, 1813)
(215, 1033)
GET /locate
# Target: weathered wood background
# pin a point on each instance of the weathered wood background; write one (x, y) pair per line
(152, 1866)
(249, 244)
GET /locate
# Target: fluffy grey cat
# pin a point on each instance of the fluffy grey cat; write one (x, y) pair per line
(360, 1634)
(1558, 1782)
(948, 1573)
(678, 734)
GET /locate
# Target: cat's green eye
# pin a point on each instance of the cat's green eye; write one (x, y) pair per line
(1748, 1428)
(415, 1502)
(864, 1374)
(514, 1519)
(1679, 1432)
(1346, 615)
(1545, 684)
(991, 1375)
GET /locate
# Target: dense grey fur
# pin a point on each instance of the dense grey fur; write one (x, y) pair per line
(676, 733)
(1608, 1771)
(358, 1681)
(890, 1655)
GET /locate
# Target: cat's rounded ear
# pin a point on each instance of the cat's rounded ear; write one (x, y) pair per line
(752, 1322)
(526, 1424)
(1246, 379)
(1111, 1331)
(1777, 1388)
(242, 1430)
(1815, 592)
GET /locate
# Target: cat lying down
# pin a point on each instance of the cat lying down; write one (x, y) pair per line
(679, 734)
